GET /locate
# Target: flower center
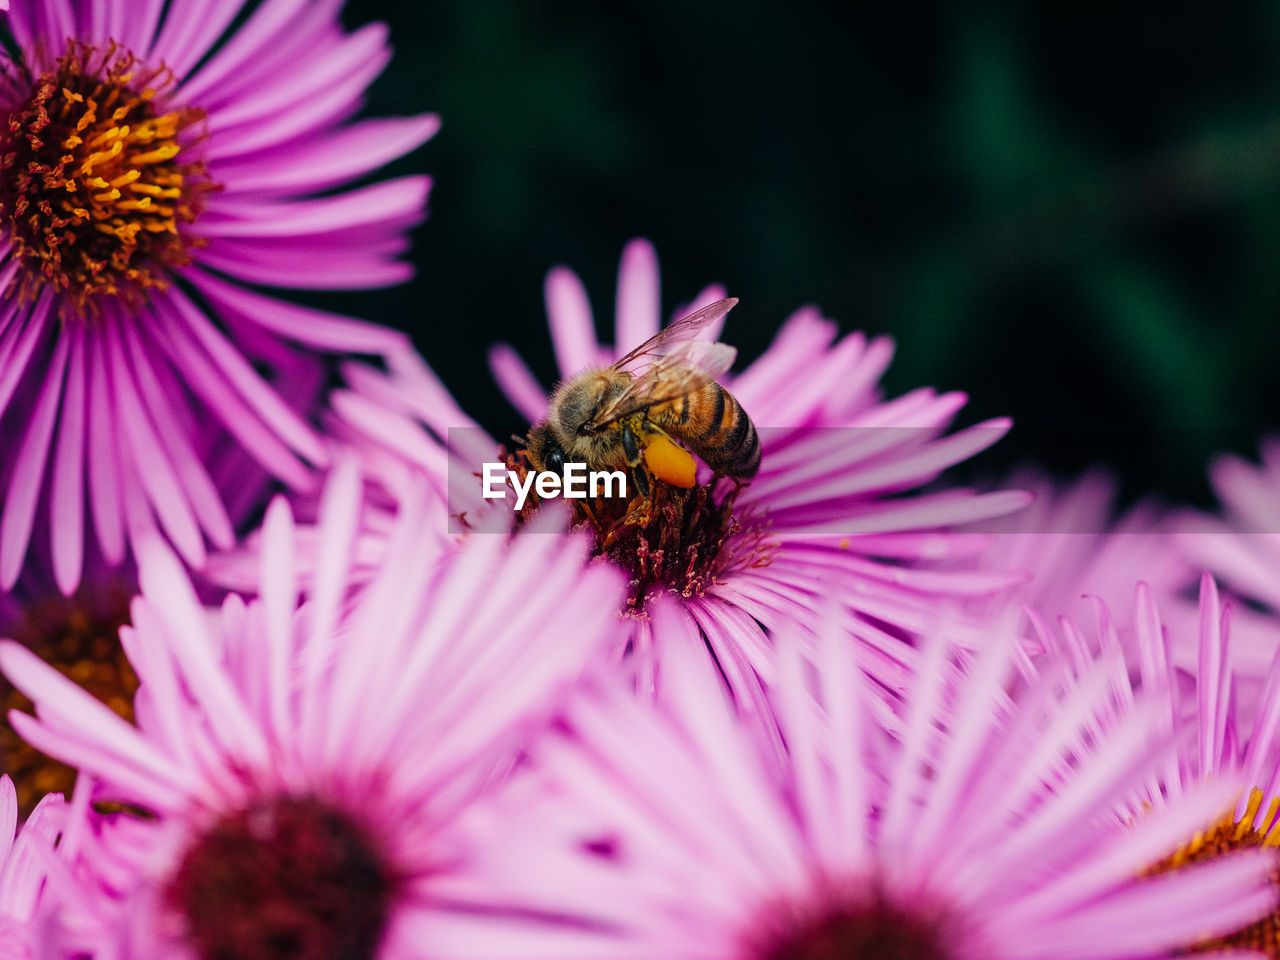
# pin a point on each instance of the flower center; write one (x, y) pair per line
(682, 540)
(290, 878)
(854, 928)
(94, 184)
(79, 637)
(1221, 839)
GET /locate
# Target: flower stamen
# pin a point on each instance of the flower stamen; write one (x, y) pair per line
(96, 182)
(80, 639)
(1225, 836)
(683, 540)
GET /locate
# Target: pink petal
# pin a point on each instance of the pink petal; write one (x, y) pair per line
(66, 513)
(517, 382)
(190, 34)
(639, 307)
(26, 482)
(105, 474)
(573, 333)
(269, 21)
(314, 328)
(321, 163)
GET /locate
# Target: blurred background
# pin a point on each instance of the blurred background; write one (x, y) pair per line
(1070, 210)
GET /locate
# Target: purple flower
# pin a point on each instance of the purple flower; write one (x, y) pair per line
(155, 167)
(301, 767)
(669, 830)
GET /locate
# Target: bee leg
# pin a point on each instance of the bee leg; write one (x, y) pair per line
(641, 477)
(635, 460)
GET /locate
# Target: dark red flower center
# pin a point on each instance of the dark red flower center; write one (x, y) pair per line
(80, 637)
(672, 538)
(96, 181)
(291, 878)
(855, 928)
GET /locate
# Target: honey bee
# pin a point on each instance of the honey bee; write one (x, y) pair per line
(630, 414)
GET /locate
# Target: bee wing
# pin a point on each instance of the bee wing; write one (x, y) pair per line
(681, 331)
(686, 367)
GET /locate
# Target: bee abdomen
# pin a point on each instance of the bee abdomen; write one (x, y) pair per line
(720, 432)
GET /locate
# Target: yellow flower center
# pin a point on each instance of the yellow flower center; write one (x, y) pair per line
(79, 637)
(1224, 837)
(96, 182)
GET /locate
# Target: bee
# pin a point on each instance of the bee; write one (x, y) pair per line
(631, 414)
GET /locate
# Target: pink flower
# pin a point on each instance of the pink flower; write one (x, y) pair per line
(1069, 545)
(827, 515)
(668, 830)
(32, 878)
(304, 764)
(207, 157)
(1234, 717)
(825, 509)
(1242, 549)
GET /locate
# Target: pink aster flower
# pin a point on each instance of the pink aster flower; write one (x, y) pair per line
(1234, 717)
(666, 830)
(158, 162)
(827, 505)
(829, 509)
(303, 764)
(1241, 547)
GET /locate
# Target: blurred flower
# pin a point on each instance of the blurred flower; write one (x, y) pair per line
(27, 858)
(1069, 545)
(1242, 549)
(156, 166)
(664, 830)
(78, 635)
(301, 767)
(1237, 740)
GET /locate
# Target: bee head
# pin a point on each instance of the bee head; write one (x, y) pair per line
(545, 452)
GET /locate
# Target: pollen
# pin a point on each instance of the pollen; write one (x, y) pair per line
(670, 463)
(289, 878)
(684, 540)
(1222, 838)
(97, 179)
(79, 637)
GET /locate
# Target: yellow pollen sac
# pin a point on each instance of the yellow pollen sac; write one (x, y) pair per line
(82, 165)
(670, 462)
(1223, 838)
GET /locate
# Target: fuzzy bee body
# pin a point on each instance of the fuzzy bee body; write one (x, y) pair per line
(626, 417)
(711, 421)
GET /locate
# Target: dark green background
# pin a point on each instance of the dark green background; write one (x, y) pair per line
(1069, 210)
